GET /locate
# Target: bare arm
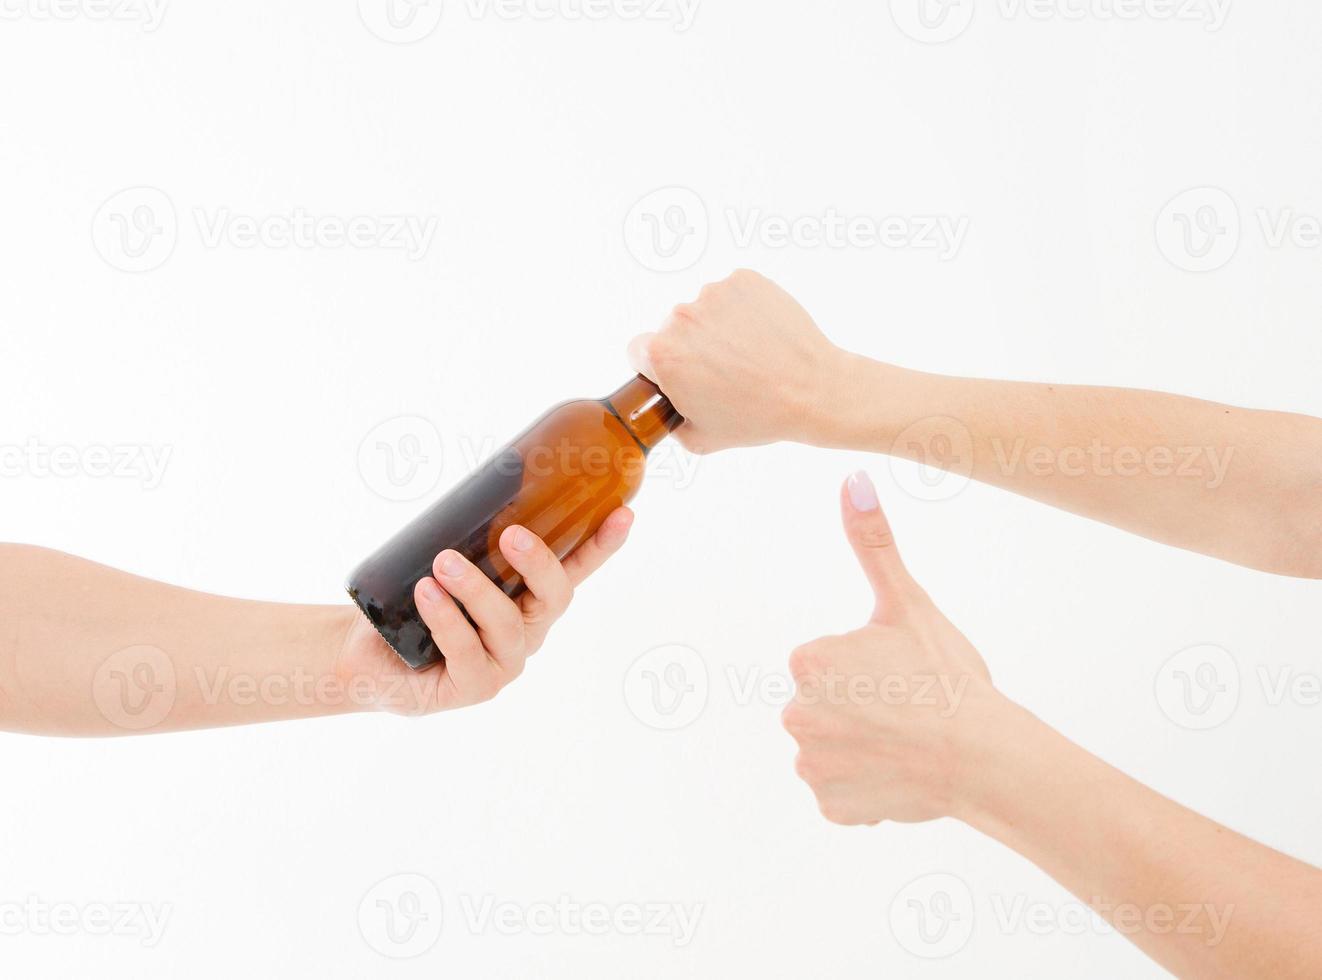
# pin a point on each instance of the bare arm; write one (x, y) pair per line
(1198, 898)
(746, 365)
(90, 650)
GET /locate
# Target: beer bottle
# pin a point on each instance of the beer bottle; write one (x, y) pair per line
(560, 479)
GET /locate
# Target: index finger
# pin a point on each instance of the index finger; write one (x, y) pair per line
(593, 554)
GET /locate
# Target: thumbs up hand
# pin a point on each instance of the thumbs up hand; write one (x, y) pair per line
(889, 718)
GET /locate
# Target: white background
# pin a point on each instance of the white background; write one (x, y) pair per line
(528, 141)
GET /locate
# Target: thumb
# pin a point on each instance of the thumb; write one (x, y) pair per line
(870, 535)
(639, 356)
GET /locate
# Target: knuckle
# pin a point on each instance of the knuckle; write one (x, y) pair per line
(693, 442)
(492, 685)
(805, 660)
(663, 350)
(791, 717)
(879, 538)
(807, 768)
(711, 291)
(799, 720)
(680, 316)
(834, 811)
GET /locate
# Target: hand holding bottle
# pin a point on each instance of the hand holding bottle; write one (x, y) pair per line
(488, 652)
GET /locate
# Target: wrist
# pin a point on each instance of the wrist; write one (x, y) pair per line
(1001, 751)
(344, 668)
(857, 402)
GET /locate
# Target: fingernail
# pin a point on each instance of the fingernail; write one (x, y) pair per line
(429, 591)
(452, 566)
(862, 494)
(522, 540)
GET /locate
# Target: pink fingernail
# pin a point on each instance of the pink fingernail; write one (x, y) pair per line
(862, 494)
(522, 540)
(452, 566)
(429, 591)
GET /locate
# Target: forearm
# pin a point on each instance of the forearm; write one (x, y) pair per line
(1195, 896)
(88, 650)
(1238, 484)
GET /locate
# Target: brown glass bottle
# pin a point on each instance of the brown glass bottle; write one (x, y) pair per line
(560, 479)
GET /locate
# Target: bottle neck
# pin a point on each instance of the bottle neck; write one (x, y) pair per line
(645, 412)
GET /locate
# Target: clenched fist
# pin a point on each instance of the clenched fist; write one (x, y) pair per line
(744, 364)
(887, 717)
